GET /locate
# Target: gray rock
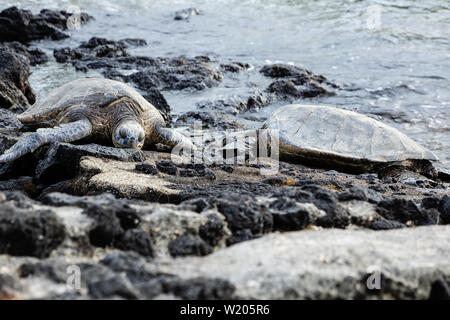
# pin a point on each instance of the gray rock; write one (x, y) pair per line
(328, 264)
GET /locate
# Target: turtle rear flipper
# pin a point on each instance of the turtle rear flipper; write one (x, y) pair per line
(66, 132)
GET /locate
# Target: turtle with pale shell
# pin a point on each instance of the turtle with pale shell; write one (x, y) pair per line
(324, 136)
(97, 110)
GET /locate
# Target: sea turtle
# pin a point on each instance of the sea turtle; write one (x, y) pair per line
(324, 136)
(98, 110)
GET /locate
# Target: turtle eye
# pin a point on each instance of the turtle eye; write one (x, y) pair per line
(123, 132)
(141, 137)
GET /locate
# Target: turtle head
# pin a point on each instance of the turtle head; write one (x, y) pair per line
(129, 134)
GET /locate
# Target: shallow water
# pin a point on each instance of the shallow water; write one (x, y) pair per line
(398, 69)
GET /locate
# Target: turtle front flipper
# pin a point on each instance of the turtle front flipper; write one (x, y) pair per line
(66, 132)
(172, 138)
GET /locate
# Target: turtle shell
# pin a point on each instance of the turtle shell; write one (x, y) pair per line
(89, 92)
(332, 134)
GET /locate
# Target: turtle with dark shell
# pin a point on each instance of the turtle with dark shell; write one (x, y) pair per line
(97, 110)
(324, 136)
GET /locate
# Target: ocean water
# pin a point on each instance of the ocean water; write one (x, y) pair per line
(392, 56)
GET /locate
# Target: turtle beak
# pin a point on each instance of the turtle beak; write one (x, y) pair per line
(133, 143)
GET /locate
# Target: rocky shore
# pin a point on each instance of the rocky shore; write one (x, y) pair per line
(138, 225)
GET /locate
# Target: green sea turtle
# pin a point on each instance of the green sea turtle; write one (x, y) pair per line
(324, 136)
(98, 110)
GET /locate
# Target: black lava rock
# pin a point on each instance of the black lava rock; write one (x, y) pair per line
(202, 289)
(167, 167)
(444, 209)
(136, 240)
(35, 55)
(15, 90)
(386, 225)
(403, 210)
(62, 159)
(288, 216)
(155, 97)
(189, 245)
(213, 230)
(23, 26)
(147, 168)
(361, 194)
(240, 236)
(107, 229)
(29, 233)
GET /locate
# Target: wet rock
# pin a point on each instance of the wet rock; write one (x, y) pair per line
(154, 73)
(133, 42)
(187, 245)
(278, 70)
(15, 90)
(155, 97)
(286, 89)
(185, 14)
(94, 48)
(35, 55)
(234, 67)
(406, 211)
(29, 233)
(24, 26)
(177, 74)
(295, 82)
(61, 161)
